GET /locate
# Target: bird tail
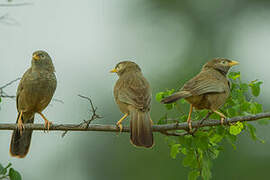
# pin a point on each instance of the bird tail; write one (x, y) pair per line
(20, 142)
(175, 97)
(141, 128)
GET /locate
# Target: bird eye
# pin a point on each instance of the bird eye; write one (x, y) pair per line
(42, 56)
(223, 62)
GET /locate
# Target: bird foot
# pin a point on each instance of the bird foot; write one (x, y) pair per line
(222, 120)
(47, 126)
(189, 126)
(20, 126)
(120, 126)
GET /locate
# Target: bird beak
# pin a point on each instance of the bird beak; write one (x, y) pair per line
(36, 57)
(113, 71)
(233, 63)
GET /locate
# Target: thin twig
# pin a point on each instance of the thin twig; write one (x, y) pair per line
(3, 94)
(93, 110)
(94, 115)
(15, 4)
(167, 133)
(9, 83)
(58, 100)
(201, 121)
(3, 16)
(187, 130)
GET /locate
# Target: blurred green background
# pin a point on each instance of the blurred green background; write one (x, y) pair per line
(170, 40)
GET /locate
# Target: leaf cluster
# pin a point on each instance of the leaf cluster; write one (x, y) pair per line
(197, 151)
(8, 173)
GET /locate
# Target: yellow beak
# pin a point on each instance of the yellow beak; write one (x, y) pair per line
(36, 57)
(113, 71)
(233, 63)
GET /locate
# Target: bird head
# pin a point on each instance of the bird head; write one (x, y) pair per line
(42, 60)
(125, 66)
(221, 64)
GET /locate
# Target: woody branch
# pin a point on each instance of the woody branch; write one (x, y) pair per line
(166, 129)
(156, 128)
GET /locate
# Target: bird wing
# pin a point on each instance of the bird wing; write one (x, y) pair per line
(206, 82)
(21, 87)
(134, 89)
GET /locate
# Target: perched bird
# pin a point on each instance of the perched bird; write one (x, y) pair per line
(133, 96)
(34, 93)
(208, 90)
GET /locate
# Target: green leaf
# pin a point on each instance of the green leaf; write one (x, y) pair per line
(169, 106)
(185, 141)
(184, 151)
(216, 138)
(255, 87)
(206, 169)
(170, 92)
(214, 152)
(182, 101)
(14, 175)
(201, 140)
(245, 106)
(175, 150)
(252, 131)
(231, 112)
(193, 175)
(159, 96)
(236, 128)
(162, 95)
(255, 108)
(2, 169)
(162, 120)
(190, 159)
(231, 139)
(264, 121)
(234, 75)
(244, 87)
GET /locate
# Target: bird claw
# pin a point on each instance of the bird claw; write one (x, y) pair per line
(47, 126)
(120, 126)
(20, 126)
(222, 120)
(189, 126)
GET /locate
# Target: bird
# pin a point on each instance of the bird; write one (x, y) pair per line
(132, 94)
(207, 90)
(34, 93)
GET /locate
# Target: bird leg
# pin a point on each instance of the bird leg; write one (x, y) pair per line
(222, 116)
(119, 123)
(189, 117)
(20, 123)
(47, 123)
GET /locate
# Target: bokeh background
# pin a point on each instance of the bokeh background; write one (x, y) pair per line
(170, 40)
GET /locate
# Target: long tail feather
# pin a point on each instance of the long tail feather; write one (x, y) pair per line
(141, 129)
(20, 143)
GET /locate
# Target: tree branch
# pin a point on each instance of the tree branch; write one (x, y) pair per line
(3, 94)
(156, 128)
(15, 4)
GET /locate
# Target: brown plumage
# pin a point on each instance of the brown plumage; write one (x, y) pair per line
(208, 90)
(133, 96)
(34, 93)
